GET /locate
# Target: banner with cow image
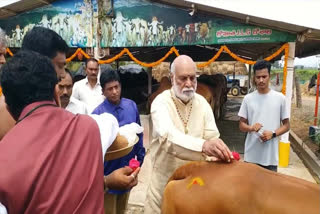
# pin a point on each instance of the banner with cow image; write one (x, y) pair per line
(134, 23)
(74, 20)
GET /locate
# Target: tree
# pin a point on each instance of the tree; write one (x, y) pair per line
(298, 90)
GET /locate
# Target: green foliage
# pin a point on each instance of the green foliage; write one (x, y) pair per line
(306, 74)
(74, 66)
(317, 138)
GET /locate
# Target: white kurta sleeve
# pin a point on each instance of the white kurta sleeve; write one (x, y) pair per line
(165, 130)
(3, 209)
(109, 128)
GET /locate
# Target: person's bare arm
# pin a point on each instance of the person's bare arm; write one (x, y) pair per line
(245, 127)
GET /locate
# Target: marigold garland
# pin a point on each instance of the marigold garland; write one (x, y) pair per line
(107, 61)
(285, 71)
(172, 50)
(79, 50)
(0, 91)
(234, 56)
(202, 65)
(9, 52)
(284, 47)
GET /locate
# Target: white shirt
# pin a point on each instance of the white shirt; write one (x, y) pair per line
(76, 106)
(92, 97)
(109, 128)
(269, 110)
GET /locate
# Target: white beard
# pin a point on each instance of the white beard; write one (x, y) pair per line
(186, 94)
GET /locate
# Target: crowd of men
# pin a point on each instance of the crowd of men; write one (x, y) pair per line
(55, 133)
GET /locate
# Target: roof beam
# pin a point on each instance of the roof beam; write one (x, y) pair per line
(44, 1)
(8, 11)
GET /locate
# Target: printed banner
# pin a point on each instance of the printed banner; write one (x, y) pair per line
(135, 23)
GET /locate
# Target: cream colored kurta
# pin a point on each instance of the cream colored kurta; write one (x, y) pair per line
(171, 147)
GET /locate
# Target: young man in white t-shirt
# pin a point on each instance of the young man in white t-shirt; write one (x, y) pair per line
(263, 114)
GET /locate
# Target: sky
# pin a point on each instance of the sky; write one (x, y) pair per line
(311, 61)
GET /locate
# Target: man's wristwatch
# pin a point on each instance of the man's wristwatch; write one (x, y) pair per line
(274, 134)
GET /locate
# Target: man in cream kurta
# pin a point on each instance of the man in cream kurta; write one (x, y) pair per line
(183, 128)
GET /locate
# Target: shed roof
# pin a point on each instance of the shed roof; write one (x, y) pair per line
(308, 38)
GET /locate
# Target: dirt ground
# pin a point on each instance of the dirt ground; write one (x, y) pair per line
(303, 118)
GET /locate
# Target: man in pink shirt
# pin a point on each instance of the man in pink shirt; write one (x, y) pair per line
(47, 163)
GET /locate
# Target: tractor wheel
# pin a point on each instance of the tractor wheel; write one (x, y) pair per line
(235, 90)
(243, 91)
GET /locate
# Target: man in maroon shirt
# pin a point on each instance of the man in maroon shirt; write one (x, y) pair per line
(51, 159)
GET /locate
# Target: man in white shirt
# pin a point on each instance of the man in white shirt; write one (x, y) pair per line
(263, 114)
(89, 90)
(67, 101)
(184, 129)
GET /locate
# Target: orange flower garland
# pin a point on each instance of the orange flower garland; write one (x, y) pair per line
(202, 65)
(234, 56)
(79, 50)
(172, 50)
(284, 47)
(9, 52)
(285, 71)
(113, 58)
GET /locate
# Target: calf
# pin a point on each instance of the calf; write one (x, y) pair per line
(237, 188)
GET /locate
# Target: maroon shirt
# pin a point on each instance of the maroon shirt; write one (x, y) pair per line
(51, 162)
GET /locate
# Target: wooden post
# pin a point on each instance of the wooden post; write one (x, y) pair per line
(298, 91)
(315, 122)
(149, 72)
(249, 83)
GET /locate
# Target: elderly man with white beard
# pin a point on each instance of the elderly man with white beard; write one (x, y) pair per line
(184, 129)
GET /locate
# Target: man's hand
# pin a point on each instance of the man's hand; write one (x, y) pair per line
(266, 135)
(122, 179)
(256, 127)
(218, 149)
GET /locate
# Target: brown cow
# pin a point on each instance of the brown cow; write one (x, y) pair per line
(237, 188)
(218, 86)
(164, 85)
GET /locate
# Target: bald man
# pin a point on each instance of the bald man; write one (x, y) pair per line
(184, 129)
(6, 121)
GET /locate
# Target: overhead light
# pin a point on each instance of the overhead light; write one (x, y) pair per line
(247, 19)
(4, 3)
